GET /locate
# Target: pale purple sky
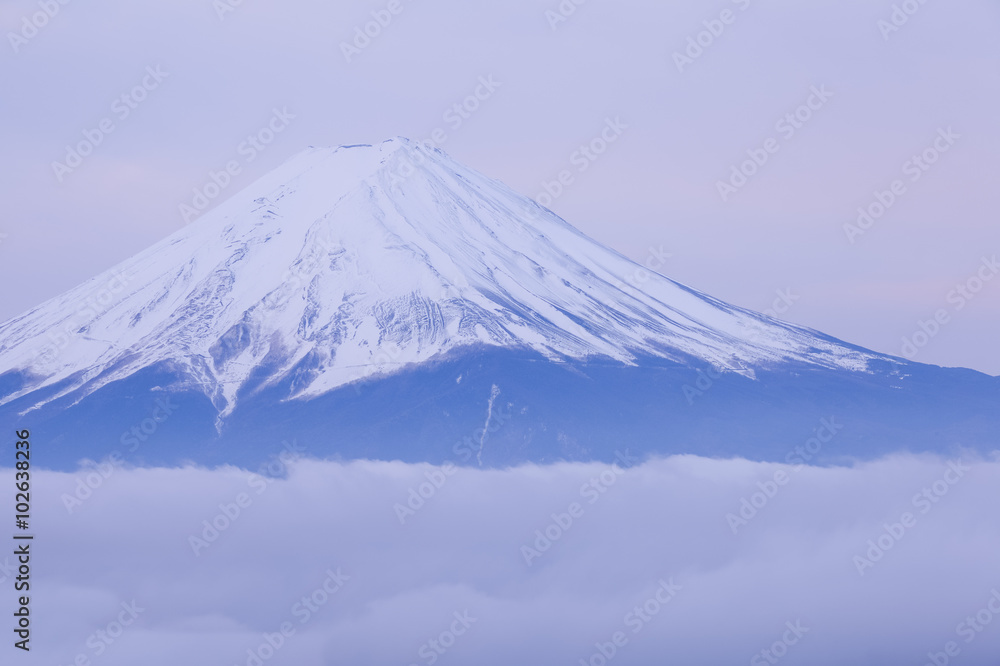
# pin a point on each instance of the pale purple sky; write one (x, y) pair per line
(655, 186)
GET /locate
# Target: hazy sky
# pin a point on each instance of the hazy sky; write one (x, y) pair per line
(199, 77)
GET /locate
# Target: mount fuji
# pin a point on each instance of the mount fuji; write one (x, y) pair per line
(386, 302)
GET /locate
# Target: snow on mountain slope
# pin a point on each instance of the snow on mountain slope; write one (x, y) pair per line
(347, 262)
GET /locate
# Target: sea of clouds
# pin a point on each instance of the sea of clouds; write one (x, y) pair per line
(682, 560)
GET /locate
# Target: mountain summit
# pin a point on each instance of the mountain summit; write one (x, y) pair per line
(352, 261)
(362, 265)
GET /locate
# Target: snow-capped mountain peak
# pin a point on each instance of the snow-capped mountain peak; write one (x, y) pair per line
(343, 263)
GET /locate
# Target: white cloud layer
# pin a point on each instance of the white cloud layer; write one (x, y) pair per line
(648, 571)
